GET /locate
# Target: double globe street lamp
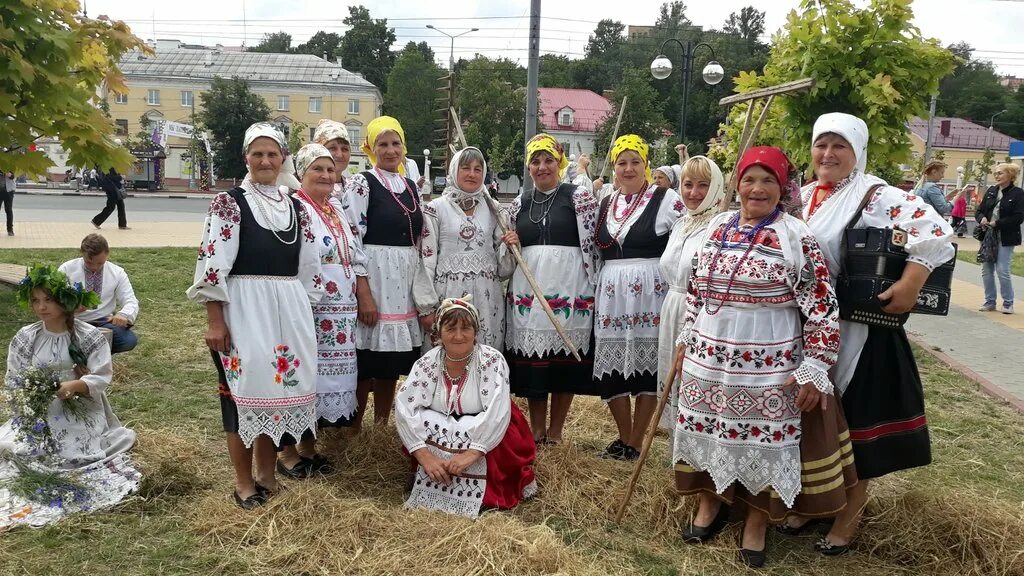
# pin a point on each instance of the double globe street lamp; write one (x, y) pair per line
(661, 68)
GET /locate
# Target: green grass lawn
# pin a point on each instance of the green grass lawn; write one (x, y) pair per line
(1016, 264)
(964, 514)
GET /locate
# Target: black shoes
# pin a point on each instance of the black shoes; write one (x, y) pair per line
(787, 530)
(619, 450)
(694, 534)
(301, 471)
(754, 558)
(829, 549)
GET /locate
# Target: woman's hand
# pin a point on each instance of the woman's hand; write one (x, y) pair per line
(809, 397)
(427, 323)
(510, 238)
(433, 466)
(902, 295)
(984, 221)
(69, 389)
(218, 337)
(458, 464)
(366, 308)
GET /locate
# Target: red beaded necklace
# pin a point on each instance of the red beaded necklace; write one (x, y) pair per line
(631, 207)
(752, 239)
(336, 231)
(405, 209)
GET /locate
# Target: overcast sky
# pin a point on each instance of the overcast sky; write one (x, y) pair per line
(991, 26)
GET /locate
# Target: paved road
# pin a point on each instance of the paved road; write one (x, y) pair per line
(55, 208)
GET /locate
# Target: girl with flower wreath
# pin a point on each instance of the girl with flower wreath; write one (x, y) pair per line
(632, 231)
(88, 444)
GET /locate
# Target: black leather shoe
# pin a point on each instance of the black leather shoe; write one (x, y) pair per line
(320, 463)
(254, 501)
(300, 471)
(754, 558)
(615, 451)
(829, 549)
(694, 534)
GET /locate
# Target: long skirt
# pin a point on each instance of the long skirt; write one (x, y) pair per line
(335, 320)
(390, 348)
(884, 405)
(826, 471)
(501, 479)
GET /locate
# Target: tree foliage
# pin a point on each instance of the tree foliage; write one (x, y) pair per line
(747, 24)
(422, 47)
(229, 107)
(320, 44)
(555, 70)
(366, 46)
(642, 115)
(275, 43)
(870, 62)
(53, 63)
(972, 91)
(492, 102)
(411, 86)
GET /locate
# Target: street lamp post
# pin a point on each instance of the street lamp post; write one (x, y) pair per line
(426, 172)
(661, 68)
(451, 56)
(991, 121)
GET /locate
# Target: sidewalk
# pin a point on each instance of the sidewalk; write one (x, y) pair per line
(986, 346)
(67, 190)
(70, 234)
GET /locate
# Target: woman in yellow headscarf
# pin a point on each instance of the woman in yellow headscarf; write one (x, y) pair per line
(632, 232)
(555, 226)
(395, 298)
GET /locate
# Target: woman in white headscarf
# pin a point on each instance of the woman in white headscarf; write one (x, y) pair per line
(665, 176)
(702, 189)
(460, 246)
(333, 135)
(258, 273)
(334, 316)
(875, 373)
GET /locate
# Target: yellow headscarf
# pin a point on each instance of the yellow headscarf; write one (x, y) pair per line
(547, 143)
(375, 128)
(636, 144)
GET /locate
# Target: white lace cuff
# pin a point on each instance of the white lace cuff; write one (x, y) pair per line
(921, 261)
(809, 374)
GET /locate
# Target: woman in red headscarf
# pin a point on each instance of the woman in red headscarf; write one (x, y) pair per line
(757, 417)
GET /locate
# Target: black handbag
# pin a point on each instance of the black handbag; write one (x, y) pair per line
(872, 260)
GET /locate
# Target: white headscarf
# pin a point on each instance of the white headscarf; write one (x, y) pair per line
(327, 130)
(673, 180)
(452, 190)
(851, 128)
(699, 217)
(308, 154)
(285, 177)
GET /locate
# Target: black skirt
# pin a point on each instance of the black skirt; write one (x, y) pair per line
(229, 410)
(615, 385)
(884, 406)
(535, 377)
(385, 365)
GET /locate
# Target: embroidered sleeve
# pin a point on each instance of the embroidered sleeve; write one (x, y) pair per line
(929, 236)
(355, 247)
(586, 222)
(582, 181)
(820, 310)
(488, 427)
(310, 271)
(19, 353)
(126, 297)
(506, 262)
(671, 209)
(694, 304)
(217, 251)
(357, 200)
(413, 398)
(430, 241)
(101, 368)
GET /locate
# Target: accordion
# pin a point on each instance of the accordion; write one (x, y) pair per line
(873, 260)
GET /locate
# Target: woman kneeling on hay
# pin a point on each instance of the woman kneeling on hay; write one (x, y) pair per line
(473, 447)
(64, 450)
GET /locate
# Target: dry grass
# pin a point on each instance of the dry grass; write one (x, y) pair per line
(963, 515)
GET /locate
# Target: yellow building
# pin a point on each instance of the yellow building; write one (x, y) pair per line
(963, 144)
(300, 89)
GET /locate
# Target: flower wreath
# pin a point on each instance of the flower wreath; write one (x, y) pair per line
(69, 296)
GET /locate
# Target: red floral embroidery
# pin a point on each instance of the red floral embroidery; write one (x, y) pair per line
(225, 208)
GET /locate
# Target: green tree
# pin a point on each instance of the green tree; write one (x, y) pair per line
(321, 43)
(422, 47)
(275, 43)
(672, 17)
(642, 116)
(1012, 123)
(492, 105)
(972, 91)
(296, 134)
(607, 36)
(871, 62)
(747, 24)
(556, 71)
(366, 46)
(229, 107)
(53, 66)
(412, 76)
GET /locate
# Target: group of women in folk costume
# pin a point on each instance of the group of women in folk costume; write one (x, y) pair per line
(778, 403)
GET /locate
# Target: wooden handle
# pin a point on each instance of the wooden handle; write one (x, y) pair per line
(648, 439)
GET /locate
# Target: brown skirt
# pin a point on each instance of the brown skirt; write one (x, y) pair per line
(826, 471)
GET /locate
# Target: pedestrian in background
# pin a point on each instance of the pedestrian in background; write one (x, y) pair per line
(7, 189)
(930, 190)
(1001, 213)
(111, 184)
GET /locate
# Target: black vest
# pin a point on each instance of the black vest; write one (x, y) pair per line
(386, 223)
(557, 229)
(641, 241)
(260, 253)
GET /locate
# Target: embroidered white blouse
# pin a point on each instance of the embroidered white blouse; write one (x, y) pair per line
(115, 290)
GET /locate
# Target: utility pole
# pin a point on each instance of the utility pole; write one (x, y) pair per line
(531, 85)
(931, 129)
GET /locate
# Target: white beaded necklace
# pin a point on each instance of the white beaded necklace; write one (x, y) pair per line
(260, 203)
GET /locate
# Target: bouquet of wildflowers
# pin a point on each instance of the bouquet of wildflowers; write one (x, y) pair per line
(30, 394)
